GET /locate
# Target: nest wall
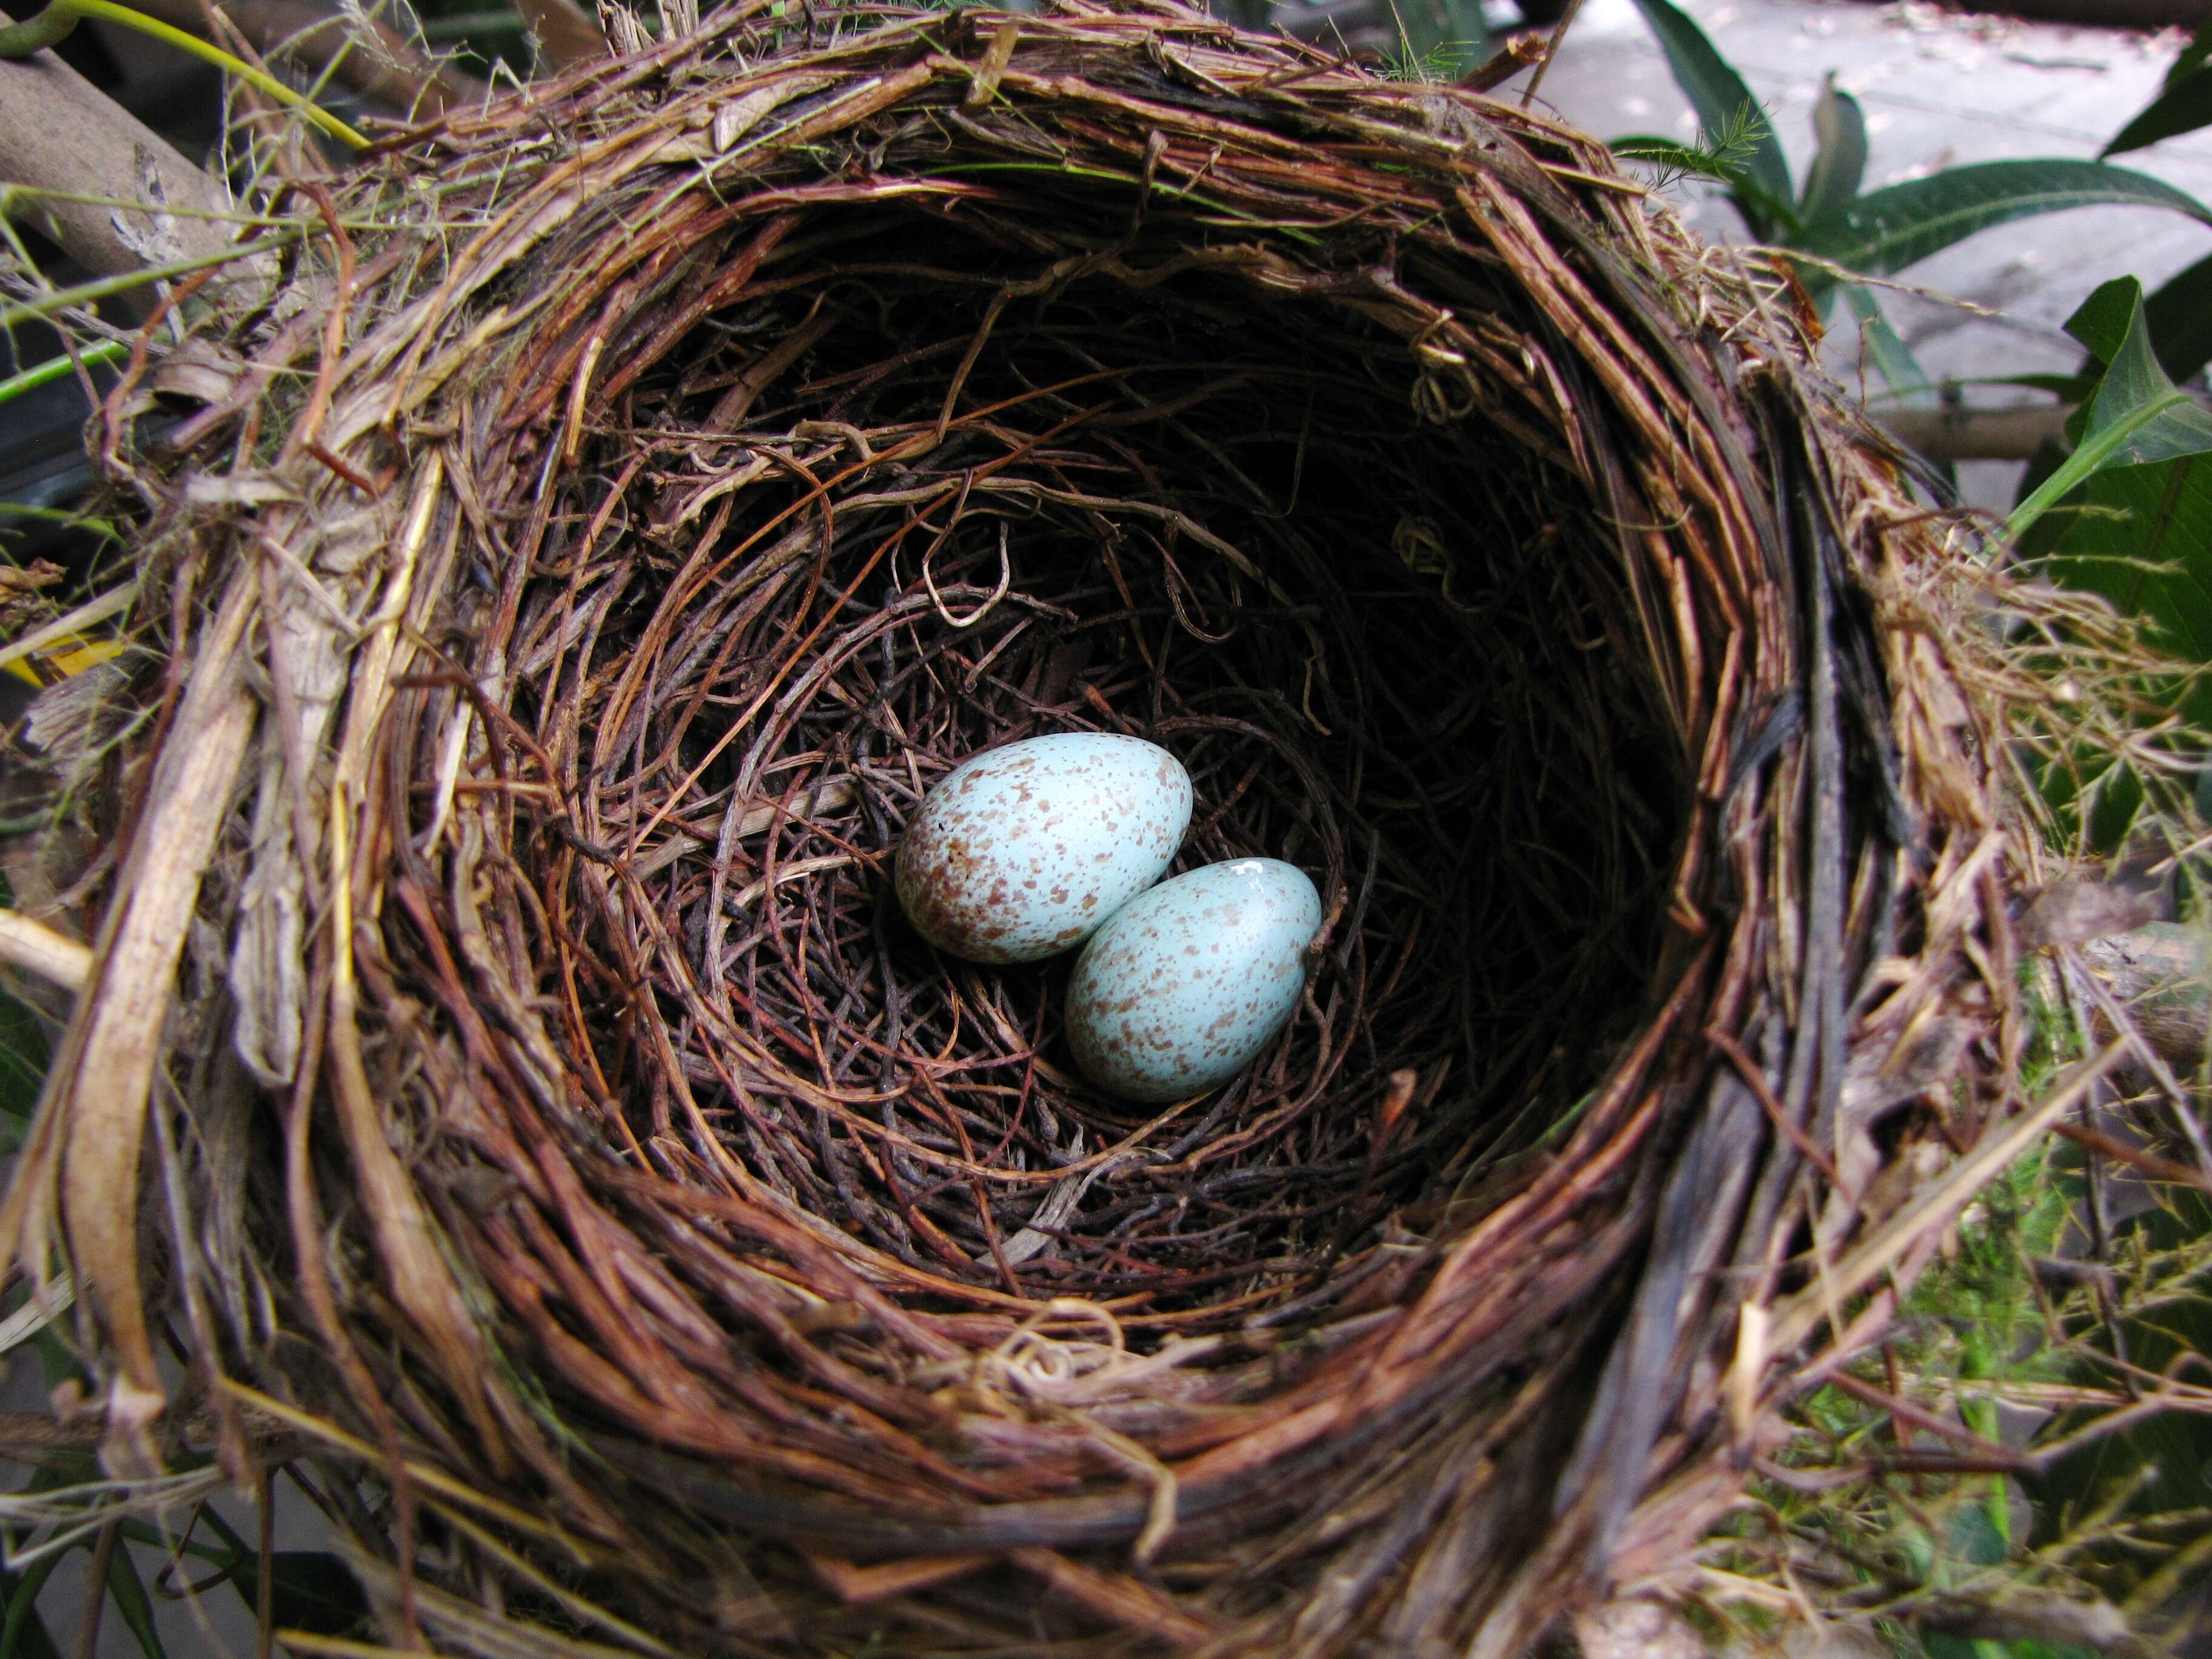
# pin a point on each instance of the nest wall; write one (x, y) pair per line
(645, 489)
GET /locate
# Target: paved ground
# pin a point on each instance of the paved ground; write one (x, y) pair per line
(1939, 89)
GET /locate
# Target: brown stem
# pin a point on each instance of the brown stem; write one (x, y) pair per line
(96, 1590)
(58, 132)
(1551, 50)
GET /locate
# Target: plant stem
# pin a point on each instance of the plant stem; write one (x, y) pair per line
(2095, 449)
(84, 293)
(60, 17)
(54, 368)
(49, 28)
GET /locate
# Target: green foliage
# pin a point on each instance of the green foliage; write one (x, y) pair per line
(2179, 316)
(311, 1590)
(2010, 1336)
(1838, 169)
(1721, 101)
(1438, 40)
(1719, 154)
(22, 1632)
(2135, 415)
(23, 1071)
(2183, 105)
(2127, 516)
(1888, 230)
(1844, 230)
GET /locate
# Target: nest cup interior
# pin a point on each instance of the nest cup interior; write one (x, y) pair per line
(935, 482)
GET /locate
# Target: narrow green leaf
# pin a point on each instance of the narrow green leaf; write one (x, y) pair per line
(309, 1590)
(23, 1636)
(1885, 230)
(128, 1591)
(2138, 416)
(1650, 146)
(315, 1590)
(2179, 109)
(1718, 95)
(2184, 104)
(2067, 388)
(1839, 168)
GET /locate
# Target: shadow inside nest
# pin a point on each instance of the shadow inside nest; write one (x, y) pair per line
(778, 615)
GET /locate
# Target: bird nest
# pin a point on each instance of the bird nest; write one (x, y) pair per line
(645, 489)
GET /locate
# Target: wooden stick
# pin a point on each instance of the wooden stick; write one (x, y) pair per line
(60, 132)
(1976, 434)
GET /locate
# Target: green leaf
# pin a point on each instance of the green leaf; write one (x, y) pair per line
(2130, 512)
(1720, 98)
(2101, 321)
(2179, 109)
(312, 1590)
(2179, 316)
(128, 1591)
(2137, 417)
(22, 1061)
(1887, 230)
(2142, 538)
(2138, 414)
(23, 1636)
(2184, 105)
(1839, 168)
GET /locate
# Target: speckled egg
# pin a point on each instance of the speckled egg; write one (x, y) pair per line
(1023, 851)
(1187, 982)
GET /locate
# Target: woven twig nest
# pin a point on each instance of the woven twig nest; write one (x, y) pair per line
(647, 488)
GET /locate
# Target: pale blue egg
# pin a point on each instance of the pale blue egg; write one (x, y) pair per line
(1189, 981)
(1024, 850)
